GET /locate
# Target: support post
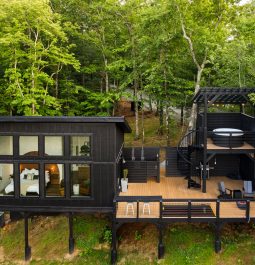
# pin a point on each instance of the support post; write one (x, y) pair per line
(204, 174)
(161, 248)
(218, 237)
(114, 234)
(114, 243)
(71, 238)
(27, 247)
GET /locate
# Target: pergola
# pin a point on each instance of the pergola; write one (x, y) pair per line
(206, 97)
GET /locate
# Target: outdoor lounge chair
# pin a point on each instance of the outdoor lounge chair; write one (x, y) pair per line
(225, 193)
(247, 187)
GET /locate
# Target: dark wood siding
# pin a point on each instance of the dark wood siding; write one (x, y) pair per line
(103, 136)
(221, 120)
(226, 165)
(103, 161)
(247, 169)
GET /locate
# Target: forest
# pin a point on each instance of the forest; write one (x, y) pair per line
(79, 57)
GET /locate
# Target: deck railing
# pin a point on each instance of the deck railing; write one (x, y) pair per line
(167, 210)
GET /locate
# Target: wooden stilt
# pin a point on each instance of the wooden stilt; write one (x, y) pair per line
(161, 248)
(218, 237)
(71, 239)
(27, 247)
(114, 235)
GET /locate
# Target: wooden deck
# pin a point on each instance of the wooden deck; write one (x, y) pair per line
(176, 188)
(212, 146)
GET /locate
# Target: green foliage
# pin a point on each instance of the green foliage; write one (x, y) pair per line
(89, 233)
(80, 57)
(107, 235)
(138, 235)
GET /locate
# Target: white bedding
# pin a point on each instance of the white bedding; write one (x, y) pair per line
(228, 132)
(27, 185)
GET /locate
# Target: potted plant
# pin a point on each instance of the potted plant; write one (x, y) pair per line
(124, 180)
(85, 149)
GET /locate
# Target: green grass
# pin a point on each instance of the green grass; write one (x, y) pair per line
(185, 244)
(151, 136)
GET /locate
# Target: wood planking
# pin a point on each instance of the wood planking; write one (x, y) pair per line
(176, 188)
(212, 146)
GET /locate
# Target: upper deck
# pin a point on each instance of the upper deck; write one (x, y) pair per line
(171, 200)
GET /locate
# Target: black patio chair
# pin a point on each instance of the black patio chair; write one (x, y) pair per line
(225, 193)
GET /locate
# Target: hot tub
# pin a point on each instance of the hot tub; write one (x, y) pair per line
(228, 137)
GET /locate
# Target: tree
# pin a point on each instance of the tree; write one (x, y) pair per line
(204, 27)
(34, 50)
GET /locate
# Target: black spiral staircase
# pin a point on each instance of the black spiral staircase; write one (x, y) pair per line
(187, 161)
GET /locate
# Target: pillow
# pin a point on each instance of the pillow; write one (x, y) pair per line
(36, 177)
(25, 176)
(30, 176)
(34, 171)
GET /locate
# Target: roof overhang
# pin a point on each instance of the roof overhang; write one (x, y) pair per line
(218, 95)
(119, 121)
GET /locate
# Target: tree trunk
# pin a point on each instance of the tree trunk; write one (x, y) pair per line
(168, 130)
(161, 118)
(193, 113)
(182, 115)
(136, 111)
(150, 104)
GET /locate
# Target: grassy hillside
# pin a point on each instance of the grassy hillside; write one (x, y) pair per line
(186, 244)
(152, 138)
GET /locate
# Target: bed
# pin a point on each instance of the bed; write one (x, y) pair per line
(29, 182)
(228, 137)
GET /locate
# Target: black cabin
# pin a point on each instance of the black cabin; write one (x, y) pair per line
(60, 163)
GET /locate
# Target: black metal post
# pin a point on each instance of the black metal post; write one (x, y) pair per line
(114, 243)
(204, 174)
(247, 211)
(218, 237)
(114, 235)
(27, 247)
(189, 210)
(71, 238)
(161, 248)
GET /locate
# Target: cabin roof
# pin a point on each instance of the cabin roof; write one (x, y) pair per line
(221, 95)
(119, 121)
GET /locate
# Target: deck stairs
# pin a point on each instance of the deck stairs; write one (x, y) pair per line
(186, 159)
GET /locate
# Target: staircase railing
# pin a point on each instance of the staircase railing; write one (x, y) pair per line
(186, 141)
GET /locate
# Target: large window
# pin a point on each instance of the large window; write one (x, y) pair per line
(29, 179)
(80, 180)
(6, 180)
(80, 146)
(6, 145)
(28, 145)
(54, 145)
(54, 180)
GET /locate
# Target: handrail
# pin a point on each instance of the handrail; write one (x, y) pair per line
(159, 198)
(138, 198)
(184, 141)
(188, 202)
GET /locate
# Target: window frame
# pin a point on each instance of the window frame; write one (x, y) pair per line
(44, 145)
(80, 157)
(39, 196)
(13, 177)
(38, 146)
(83, 197)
